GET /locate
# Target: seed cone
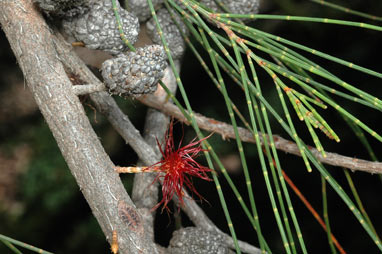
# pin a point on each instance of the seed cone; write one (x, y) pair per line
(141, 8)
(193, 240)
(235, 6)
(98, 28)
(135, 73)
(63, 8)
(171, 32)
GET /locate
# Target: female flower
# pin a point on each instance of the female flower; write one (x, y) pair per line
(175, 169)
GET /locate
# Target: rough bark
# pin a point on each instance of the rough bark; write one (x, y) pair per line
(145, 191)
(121, 123)
(282, 144)
(226, 131)
(46, 62)
(32, 42)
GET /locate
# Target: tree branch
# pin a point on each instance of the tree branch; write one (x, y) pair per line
(106, 105)
(226, 131)
(282, 144)
(145, 192)
(86, 89)
(32, 42)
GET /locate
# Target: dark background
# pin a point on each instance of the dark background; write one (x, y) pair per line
(41, 204)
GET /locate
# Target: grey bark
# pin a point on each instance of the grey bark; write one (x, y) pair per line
(226, 131)
(45, 61)
(32, 43)
(121, 123)
(145, 191)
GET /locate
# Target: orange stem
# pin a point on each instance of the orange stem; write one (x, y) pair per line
(311, 209)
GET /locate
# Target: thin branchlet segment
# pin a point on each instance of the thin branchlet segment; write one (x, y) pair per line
(170, 31)
(141, 8)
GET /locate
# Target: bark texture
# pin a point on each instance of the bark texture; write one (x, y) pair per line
(32, 42)
(46, 61)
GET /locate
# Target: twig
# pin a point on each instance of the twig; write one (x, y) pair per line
(282, 144)
(226, 131)
(311, 209)
(32, 43)
(87, 89)
(145, 193)
(124, 127)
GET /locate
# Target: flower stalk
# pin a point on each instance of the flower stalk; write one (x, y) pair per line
(121, 170)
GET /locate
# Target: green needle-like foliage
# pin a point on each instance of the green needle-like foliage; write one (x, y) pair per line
(239, 56)
(241, 52)
(326, 216)
(303, 102)
(347, 10)
(10, 242)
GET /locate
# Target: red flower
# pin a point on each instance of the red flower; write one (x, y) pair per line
(177, 166)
